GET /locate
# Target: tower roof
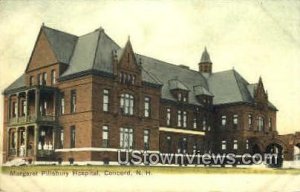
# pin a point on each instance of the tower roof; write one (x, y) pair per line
(205, 58)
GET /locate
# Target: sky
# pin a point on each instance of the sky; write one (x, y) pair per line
(256, 38)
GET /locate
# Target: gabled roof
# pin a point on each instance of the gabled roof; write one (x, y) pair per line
(95, 51)
(165, 72)
(92, 51)
(199, 90)
(228, 87)
(17, 84)
(176, 84)
(62, 43)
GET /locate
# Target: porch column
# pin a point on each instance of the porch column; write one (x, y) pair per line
(54, 131)
(9, 107)
(8, 142)
(36, 139)
(37, 103)
(17, 143)
(27, 104)
(17, 103)
(26, 140)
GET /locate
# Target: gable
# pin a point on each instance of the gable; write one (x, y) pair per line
(128, 60)
(42, 54)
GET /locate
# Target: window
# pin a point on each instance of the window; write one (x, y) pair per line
(40, 79)
(53, 77)
(105, 100)
(127, 78)
(61, 138)
(249, 121)
(247, 144)
(30, 80)
(73, 101)
(15, 109)
(235, 144)
(235, 121)
(179, 96)
(223, 121)
(204, 124)
(169, 144)
(179, 119)
(223, 147)
(168, 116)
(195, 123)
(270, 124)
(126, 138)
(126, 104)
(44, 80)
(24, 107)
(146, 139)
(43, 108)
(260, 123)
(105, 136)
(184, 98)
(184, 119)
(147, 107)
(73, 137)
(62, 103)
(182, 145)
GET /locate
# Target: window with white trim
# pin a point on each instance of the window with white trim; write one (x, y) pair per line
(127, 104)
(195, 123)
(184, 119)
(146, 139)
(168, 119)
(235, 144)
(260, 123)
(105, 100)
(223, 146)
(179, 124)
(126, 138)
(105, 141)
(147, 107)
(223, 120)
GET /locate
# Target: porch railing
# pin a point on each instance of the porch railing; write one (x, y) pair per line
(45, 153)
(31, 119)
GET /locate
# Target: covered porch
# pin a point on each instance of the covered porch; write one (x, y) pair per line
(31, 142)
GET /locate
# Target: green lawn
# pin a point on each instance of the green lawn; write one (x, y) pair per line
(153, 170)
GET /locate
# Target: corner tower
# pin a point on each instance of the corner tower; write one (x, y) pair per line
(205, 65)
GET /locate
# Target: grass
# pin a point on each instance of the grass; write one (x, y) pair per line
(153, 170)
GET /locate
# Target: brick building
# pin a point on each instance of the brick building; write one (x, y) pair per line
(85, 97)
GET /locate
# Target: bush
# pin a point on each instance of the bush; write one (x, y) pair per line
(59, 160)
(71, 160)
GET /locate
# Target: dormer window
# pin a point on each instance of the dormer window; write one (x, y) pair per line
(179, 96)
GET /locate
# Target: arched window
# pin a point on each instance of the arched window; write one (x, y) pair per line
(127, 104)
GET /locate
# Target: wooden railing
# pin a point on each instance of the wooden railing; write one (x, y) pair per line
(30, 119)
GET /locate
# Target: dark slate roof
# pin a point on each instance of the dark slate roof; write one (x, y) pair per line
(228, 87)
(165, 72)
(17, 84)
(92, 51)
(61, 42)
(199, 90)
(205, 58)
(176, 84)
(96, 50)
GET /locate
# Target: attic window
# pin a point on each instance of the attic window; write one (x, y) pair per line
(179, 96)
